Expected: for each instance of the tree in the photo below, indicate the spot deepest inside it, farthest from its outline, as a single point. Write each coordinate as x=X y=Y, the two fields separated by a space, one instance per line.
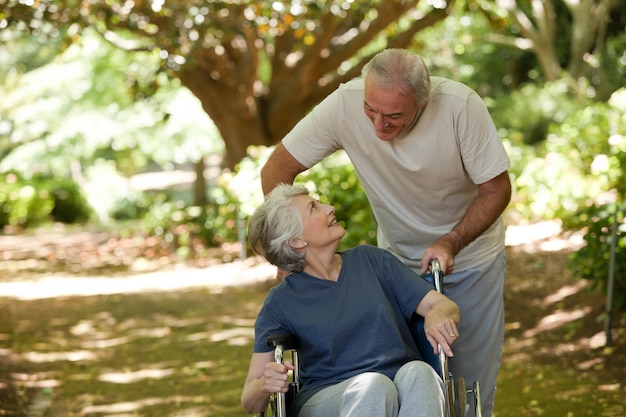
x=256 y=66
x=550 y=27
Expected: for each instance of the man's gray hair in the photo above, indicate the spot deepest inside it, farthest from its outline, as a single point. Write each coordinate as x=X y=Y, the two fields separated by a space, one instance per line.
x=400 y=70
x=274 y=224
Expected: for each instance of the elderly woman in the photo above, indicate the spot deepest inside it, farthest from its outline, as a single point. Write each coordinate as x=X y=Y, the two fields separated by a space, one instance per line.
x=349 y=311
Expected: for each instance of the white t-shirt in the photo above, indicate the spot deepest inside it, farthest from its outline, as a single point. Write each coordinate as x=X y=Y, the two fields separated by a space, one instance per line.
x=419 y=186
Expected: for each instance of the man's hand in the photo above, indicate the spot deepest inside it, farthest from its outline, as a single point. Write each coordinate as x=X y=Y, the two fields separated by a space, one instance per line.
x=443 y=251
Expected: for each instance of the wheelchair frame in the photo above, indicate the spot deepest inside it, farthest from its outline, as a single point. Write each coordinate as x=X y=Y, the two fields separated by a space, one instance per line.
x=455 y=390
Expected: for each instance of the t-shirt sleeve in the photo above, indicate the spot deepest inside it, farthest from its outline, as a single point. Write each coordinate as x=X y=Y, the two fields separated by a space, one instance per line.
x=407 y=287
x=315 y=136
x=267 y=324
x=482 y=150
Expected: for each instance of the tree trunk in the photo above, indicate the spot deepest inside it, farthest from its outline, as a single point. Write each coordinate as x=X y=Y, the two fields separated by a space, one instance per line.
x=248 y=112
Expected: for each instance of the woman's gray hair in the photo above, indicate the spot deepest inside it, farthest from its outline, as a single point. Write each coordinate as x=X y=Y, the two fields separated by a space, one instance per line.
x=400 y=70
x=274 y=224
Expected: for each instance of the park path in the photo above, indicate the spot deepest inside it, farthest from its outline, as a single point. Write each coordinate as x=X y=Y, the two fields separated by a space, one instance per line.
x=546 y=236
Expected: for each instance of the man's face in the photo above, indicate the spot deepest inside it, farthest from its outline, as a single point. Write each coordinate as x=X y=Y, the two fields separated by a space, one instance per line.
x=391 y=112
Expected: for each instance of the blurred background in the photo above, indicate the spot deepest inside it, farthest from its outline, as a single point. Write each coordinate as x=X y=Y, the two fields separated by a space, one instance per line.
x=144 y=123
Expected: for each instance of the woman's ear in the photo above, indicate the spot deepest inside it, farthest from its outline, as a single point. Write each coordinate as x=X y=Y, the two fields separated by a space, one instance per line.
x=297 y=243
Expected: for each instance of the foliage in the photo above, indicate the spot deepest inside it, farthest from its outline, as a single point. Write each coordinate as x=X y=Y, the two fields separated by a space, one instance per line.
x=597 y=216
x=189 y=229
x=70 y=204
x=591 y=262
x=31 y=201
x=134 y=205
x=456 y=48
x=333 y=181
x=96 y=101
x=564 y=149
x=256 y=66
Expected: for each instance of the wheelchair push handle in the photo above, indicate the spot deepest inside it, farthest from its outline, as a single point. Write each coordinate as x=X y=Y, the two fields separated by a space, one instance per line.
x=435 y=269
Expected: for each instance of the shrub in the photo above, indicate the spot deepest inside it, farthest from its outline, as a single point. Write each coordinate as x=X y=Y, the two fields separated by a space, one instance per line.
x=70 y=205
x=591 y=262
x=30 y=201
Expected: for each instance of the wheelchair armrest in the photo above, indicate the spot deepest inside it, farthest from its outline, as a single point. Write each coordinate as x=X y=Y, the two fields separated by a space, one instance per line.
x=287 y=340
x=417 y=322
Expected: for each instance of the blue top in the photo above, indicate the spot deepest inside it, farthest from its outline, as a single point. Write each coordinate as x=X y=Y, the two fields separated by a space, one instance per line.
x=357 y=324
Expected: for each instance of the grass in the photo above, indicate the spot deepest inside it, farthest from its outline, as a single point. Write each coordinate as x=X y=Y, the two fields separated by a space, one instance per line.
x=185 y=352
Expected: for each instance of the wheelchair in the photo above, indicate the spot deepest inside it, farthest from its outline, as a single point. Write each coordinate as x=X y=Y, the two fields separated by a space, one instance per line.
x=456 y=392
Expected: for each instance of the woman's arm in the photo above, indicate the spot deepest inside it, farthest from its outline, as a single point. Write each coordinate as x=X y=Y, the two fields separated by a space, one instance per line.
x=265 y=376
x=441 y=316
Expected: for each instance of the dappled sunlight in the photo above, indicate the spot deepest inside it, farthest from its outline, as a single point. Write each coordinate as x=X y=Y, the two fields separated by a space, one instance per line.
x=545 y=236
x=556 y=320
x=151 y=332
x=591 y=363
x=178 y=322
x=238 y=336
x=216 y=278
x=46 y=357
x=132 y=406
x=249 y=322
x=104 y=343
x=610 y=387
x=128 y=377
x=565 y=292
x=35 y=380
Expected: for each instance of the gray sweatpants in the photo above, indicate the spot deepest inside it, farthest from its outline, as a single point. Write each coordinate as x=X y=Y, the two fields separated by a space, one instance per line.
x=478 y=351
x=416 y=391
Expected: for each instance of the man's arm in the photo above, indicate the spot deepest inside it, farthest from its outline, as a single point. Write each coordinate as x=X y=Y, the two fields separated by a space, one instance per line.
x=493 y=197
x=281 y=167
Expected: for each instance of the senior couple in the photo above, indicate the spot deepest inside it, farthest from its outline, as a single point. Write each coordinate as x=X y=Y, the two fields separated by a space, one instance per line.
x=435 y=172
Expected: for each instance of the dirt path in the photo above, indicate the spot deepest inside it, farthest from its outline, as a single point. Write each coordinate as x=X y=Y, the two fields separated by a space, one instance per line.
x=555 y=362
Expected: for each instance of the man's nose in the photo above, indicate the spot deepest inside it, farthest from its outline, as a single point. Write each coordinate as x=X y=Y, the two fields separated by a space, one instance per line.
x=380 y=121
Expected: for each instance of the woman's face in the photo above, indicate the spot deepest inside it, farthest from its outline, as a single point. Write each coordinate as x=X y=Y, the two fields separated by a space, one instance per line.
x=320 y=226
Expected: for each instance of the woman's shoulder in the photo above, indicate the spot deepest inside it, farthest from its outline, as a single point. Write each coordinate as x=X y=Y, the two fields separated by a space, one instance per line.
x=366 y=250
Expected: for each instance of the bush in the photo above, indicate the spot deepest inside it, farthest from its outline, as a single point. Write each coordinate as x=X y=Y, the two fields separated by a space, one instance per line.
x=23 y=203
x=591 y=262
x=190 y=229
x=30 y=201
x=70 y=205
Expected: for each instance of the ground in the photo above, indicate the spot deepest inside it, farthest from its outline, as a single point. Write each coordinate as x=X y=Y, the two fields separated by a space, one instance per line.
x=88 y=316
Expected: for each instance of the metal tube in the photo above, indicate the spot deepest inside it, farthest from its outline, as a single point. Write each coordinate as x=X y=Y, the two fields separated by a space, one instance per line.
x=611 y=282
x=281 y=405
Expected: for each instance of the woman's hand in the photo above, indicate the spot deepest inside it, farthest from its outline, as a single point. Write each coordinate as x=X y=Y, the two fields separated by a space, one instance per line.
x=441 y=331
x=441 y=316
x=275 y=376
